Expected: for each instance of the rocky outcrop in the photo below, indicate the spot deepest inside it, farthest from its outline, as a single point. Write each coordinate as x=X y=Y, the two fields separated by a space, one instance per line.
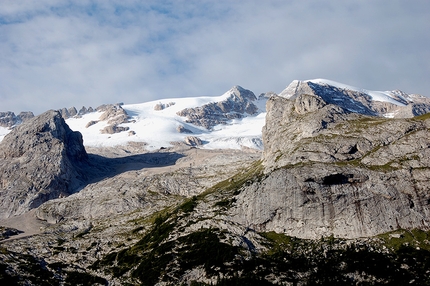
x=182 y=129
x=331 y=171
x=9 y=119
x=41 y=159
x=193 y=141
x=238 y=103
x=73 y=112
x=115 y=115
x=161 y=106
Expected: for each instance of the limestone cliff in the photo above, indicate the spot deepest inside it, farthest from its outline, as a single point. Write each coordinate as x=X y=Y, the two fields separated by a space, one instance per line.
x=40 y=160
x=330 y=170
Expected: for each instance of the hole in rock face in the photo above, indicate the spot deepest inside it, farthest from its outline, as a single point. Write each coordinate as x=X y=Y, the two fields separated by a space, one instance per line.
x=353 y=150
x=336 y=179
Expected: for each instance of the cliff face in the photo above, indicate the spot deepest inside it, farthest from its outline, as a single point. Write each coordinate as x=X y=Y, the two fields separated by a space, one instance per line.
x=332 y=171
x=40 y=160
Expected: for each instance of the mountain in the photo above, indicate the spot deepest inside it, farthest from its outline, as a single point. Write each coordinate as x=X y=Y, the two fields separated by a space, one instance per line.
x=41 y=159
x=334 y=164
x=232 y=120
x=391 y=104
x=339 y=194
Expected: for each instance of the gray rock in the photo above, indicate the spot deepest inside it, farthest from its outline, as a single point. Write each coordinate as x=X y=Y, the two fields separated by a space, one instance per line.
x=115 y=115
x=182 y=129
x=112 y=129
x=91 y=123
x=72 y=111
x=193 y=141
x=64 y=113
x=331 y=171
x=41 y=160
x=323 y=199
x=25 y=115
x=9 y=119
x=360 y=101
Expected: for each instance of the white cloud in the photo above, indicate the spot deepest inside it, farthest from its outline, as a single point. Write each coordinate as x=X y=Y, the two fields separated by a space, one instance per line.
x=57 y=54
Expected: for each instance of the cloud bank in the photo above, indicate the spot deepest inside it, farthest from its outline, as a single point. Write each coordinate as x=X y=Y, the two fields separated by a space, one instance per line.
x=56 y=54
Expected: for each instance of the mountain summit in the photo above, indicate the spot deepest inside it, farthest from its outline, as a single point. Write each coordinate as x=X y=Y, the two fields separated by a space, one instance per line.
x=391 y=104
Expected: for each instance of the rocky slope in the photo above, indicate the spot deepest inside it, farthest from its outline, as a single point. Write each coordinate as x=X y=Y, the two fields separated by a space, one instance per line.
x=41 y=159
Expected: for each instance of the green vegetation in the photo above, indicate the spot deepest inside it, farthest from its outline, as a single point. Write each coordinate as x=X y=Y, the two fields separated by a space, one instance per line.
x=189 y=205
x=385 y=260
x=232 y=185
x=422 y=117
x=23 y=269
x=398 y=239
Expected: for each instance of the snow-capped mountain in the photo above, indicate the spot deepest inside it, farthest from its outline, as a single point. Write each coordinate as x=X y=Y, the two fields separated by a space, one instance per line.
x=391 y=104
x=237 y=118
x=233 y=120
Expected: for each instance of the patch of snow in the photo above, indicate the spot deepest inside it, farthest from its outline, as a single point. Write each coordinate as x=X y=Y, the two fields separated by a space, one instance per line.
x=244 y=132
x=3 y=132
x=389 y=115
x=290 y=90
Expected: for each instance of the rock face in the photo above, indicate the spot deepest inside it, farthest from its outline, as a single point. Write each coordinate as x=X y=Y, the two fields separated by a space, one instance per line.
x=9 y=119
x=331 y=171
x=238 y=103
x=41 y=159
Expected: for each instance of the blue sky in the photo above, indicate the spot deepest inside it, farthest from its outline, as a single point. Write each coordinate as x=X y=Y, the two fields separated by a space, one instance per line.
x=56 y=54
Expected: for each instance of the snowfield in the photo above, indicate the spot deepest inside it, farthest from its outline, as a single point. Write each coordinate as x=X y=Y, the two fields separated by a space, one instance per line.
x=157 y=124
x=158 y=128
x=3 y=132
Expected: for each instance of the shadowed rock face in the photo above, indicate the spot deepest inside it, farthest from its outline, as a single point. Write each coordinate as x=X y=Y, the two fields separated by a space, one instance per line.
x=236 y=106
x=41 y=159
x=332 y=171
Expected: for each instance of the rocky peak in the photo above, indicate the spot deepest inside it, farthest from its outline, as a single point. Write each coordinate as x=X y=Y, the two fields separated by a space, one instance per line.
x=38 y=133
x=43 y=143
x=9 y=119
x=236 y=104
x=67 y=113
x=395 y=104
